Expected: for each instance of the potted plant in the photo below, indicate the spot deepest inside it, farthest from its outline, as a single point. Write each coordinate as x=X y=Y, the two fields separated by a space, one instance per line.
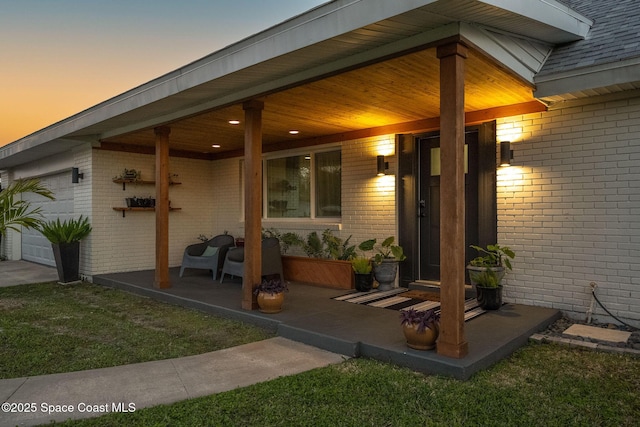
x=420 y=328
x=486 y=273
x=270 y=295
x=385 y=261
x=362 y=271
x=65 y=240
x=328 y=246
x=129 y=175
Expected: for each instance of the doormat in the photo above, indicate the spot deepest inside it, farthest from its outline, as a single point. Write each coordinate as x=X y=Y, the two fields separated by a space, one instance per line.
x=404 y=299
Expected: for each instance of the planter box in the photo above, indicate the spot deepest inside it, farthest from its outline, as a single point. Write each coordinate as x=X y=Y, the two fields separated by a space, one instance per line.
x=327 y=273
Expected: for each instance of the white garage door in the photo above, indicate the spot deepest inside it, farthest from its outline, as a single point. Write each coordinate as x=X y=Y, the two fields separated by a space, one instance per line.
x=34 y=245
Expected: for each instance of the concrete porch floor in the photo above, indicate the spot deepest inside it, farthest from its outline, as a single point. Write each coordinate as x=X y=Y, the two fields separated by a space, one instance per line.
x=310 y=316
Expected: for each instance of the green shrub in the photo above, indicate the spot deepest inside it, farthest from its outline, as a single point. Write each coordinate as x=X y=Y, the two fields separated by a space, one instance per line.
x=68 y=231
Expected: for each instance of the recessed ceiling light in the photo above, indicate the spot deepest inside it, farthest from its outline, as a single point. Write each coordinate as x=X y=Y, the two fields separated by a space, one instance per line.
x=294 y=132
x=216 y=146
x=234 y=122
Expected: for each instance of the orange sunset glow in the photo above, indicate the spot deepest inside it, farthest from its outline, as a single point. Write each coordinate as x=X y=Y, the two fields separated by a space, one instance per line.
x=59 y=58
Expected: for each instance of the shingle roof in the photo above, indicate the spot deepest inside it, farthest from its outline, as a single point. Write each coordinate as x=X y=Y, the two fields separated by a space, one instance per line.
x=615 y=36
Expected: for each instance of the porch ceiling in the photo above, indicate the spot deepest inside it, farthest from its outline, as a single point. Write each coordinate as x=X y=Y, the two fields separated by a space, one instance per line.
x=398 y=90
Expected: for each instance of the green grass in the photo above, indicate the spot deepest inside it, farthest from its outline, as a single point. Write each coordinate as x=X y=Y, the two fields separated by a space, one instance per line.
x=49 y=328
x=540 y=385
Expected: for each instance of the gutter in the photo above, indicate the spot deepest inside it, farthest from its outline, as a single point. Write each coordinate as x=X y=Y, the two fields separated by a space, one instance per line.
x=585 y=78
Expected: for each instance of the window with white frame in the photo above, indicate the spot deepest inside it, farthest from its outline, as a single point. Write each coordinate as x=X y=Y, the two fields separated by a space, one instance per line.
x=304 y=186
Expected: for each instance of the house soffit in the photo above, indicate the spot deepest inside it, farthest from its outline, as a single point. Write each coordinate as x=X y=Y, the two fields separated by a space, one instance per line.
x=398 y=90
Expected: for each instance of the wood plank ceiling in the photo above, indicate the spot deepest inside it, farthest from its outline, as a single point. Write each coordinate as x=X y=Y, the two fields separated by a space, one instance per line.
x=398 y=90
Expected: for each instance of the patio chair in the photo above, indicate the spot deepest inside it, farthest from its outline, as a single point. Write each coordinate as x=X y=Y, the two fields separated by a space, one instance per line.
x=207 y=255
x=271 y=260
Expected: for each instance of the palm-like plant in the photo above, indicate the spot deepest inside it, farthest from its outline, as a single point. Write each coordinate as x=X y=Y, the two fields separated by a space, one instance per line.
x=16 y=213
x=68 y=231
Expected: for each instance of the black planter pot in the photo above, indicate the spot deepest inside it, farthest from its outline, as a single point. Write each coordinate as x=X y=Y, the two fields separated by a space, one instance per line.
x=363 y=281
x=67 y=256
x=489 y=298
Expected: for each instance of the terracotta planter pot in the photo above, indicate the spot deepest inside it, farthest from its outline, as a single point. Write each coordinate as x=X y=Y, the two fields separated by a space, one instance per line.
x=425 y=340
x=270 y=303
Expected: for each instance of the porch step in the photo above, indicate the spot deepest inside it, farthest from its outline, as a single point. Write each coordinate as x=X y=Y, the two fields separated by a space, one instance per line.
x=430 y=286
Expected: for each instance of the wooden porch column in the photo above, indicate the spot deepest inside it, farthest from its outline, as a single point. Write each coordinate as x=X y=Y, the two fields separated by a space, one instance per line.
x=162 y=208
x=451 y=342
x=252 y=201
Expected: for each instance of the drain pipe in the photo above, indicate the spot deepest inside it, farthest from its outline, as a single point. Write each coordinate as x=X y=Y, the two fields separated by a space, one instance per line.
x=593 y=286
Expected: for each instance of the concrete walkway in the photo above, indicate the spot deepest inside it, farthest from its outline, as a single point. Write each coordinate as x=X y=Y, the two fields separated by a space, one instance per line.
x=128 y=388
x=23 y=272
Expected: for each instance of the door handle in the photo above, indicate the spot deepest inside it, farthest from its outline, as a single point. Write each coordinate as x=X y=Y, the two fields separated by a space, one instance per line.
x=422 y=205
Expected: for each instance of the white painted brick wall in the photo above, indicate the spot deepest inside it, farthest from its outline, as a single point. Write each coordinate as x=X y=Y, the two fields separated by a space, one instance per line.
x=82 y=195
x=128 y=244
x=570 y=207
x=226 y=194
x=368 y=201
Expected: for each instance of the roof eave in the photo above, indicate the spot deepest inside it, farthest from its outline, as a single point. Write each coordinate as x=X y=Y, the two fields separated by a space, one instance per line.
x=571 y=25
x=587 y=78
x=320 y=24
x=299 y=32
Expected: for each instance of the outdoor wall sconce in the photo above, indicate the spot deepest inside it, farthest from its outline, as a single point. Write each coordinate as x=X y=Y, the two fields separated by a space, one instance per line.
x=506 y=153
x=382 y=166
x=76 y=176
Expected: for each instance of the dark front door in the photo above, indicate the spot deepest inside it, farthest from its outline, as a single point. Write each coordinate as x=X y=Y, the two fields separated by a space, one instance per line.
x=419 y=199
x=428 y=150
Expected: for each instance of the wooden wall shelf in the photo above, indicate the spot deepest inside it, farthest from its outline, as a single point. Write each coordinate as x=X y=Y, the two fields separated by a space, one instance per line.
x=124 y=182
x=124 y=210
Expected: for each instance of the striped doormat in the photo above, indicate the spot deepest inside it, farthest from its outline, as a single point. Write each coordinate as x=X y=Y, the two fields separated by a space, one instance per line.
x=395 y=299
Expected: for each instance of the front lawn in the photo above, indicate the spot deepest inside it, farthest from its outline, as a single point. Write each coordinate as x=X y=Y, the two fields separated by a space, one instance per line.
x=540 y=385
x=50 y=328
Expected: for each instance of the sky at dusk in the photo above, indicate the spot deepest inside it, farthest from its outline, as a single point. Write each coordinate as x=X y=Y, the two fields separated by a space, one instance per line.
x=60 y=57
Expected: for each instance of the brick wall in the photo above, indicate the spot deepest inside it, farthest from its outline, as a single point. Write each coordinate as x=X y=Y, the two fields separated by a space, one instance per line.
x=368 y=201
x=128 y=244
x=570 y=207
x=82 y=195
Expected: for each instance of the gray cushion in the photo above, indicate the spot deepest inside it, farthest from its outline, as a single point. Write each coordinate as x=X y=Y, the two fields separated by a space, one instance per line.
x=210 y=251
x=236 y=255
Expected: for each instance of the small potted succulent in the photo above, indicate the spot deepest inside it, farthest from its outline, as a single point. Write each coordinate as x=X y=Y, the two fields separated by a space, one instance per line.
x=486 y=273
x=420 y=328
x=362 y=271
x=129 y=175
x=270 y=295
